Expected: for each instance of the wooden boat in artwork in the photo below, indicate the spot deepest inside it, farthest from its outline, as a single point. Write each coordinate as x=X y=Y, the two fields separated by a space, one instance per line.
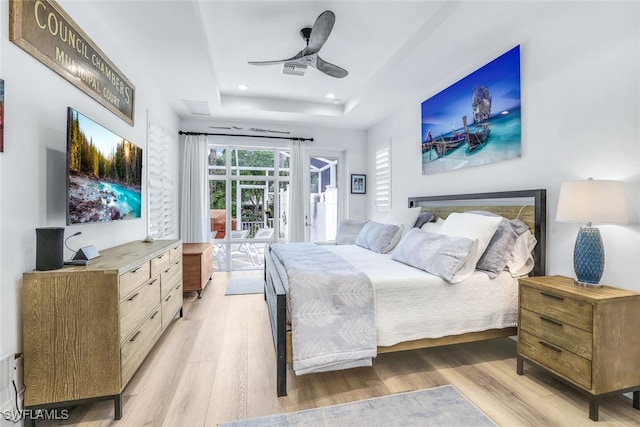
x=476 y=140
x=446 y=144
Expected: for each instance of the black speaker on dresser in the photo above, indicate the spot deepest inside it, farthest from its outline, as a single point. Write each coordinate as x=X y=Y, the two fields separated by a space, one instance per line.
x=49 y=248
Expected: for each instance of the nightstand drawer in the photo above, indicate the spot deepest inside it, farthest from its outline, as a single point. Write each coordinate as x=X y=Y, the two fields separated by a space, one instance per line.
x=555 y=332
x=554 y=358
x=558 y=306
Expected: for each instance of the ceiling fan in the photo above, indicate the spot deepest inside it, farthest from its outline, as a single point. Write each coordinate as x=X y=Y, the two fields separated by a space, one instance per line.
x=315 y=38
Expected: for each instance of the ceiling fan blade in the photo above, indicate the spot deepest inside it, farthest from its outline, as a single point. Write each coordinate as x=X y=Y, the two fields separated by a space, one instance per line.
x=279 y=61
x=320 y=32
x=330 y=69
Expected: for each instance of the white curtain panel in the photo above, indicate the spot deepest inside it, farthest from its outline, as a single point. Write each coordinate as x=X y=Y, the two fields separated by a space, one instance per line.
x=194 y=209
x=296 y=198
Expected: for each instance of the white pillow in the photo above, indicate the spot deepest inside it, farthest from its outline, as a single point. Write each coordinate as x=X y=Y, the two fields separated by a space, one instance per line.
x=474 y=227
x=403 y=216
x=522 y=261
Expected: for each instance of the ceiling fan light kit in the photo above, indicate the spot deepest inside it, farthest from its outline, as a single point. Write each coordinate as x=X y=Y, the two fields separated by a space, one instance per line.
x=315 y=38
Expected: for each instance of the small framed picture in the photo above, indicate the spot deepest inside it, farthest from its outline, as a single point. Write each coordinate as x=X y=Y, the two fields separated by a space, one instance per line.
x=358 y=184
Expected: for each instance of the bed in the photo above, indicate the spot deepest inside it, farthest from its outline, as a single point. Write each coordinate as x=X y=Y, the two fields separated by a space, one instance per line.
x=401 y=292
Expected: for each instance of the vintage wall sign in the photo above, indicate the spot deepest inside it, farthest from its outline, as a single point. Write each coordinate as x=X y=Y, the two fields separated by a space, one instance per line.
x=45 y=31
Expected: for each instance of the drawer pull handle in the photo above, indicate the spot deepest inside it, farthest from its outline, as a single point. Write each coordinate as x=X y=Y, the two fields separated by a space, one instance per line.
x=135 y=270
x=153 y=316
x=552 y=296
x=178 y=285
x=551 y=347
x=168 y=298
x=133 y=338
x=153 y=281
x=177 y=262
x=134 y=296
x=553 y=322
x=167 y=270
x=161 y=256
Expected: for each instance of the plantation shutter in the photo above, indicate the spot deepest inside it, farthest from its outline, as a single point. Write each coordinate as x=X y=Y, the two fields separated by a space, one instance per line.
x=162 y=170
x=383 y=179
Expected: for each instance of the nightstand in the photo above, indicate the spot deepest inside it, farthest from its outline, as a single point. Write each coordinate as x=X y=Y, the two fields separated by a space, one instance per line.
x=588 y=337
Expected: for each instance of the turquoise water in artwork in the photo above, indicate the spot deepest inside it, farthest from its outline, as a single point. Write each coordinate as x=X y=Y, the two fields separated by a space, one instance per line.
x=127 y=201
x=504 y=143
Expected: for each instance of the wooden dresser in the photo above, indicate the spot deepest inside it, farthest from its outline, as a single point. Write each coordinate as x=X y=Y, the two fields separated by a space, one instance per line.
x=88 y=328
x=586 y=336
x=197 y=267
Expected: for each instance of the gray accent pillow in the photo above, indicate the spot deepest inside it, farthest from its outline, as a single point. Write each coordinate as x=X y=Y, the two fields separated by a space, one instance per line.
x=502 y=244
x=424 y=218
x=348 y=230
x=437 y=254
x=380 y=238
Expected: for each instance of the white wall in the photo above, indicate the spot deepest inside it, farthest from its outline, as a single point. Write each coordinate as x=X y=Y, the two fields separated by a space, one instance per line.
x=32 y=167
x=580 y=78
x=351 y=142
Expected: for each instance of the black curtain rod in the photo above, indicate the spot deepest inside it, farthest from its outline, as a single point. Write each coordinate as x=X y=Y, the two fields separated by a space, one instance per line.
x=292 y=138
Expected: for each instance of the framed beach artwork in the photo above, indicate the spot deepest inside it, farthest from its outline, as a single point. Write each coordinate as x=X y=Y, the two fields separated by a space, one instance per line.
x=358 y=184
x=475 y=121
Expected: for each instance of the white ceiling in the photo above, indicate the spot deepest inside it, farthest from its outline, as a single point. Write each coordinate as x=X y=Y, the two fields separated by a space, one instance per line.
x=395 y=52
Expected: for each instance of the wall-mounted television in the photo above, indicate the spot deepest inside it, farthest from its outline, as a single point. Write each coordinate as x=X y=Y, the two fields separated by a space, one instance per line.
x=104 y=173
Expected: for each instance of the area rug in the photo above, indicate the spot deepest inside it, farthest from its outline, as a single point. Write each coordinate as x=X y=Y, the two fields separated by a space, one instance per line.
x=439 y=406
x=245 y=285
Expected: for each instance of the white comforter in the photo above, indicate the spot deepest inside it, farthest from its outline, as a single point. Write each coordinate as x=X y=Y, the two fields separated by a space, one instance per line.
x=412 y=304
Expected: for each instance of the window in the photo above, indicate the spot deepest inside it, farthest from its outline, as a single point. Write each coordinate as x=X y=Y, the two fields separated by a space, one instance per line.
x=383 y=179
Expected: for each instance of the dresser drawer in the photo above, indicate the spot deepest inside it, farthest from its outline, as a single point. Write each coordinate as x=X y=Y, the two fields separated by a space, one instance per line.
x=555 y=332
x=136 y=348
x=557 y=306
x=159 y=264
x=170 y=277
x=133 y=278
x=171 y=304
x=175 y=254
x=554 y=358
x=137 y=306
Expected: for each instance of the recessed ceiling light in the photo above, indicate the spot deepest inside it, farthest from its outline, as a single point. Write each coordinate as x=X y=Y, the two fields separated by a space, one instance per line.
x=243 y=87
x=331 y=95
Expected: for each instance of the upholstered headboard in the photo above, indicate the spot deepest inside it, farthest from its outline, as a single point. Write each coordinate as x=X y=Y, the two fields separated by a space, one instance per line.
x=529 y=206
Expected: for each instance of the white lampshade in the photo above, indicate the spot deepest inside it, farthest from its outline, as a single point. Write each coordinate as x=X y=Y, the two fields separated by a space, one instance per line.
x=600 y=201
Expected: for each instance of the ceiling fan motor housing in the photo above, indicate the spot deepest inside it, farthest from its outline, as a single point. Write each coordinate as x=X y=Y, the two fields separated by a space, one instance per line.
x=294 y=69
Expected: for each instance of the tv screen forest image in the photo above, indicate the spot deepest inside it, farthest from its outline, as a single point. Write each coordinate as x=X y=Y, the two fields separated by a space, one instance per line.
x=105 y=173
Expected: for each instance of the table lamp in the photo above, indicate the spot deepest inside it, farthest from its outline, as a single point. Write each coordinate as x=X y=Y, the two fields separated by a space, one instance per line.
x=589 y=201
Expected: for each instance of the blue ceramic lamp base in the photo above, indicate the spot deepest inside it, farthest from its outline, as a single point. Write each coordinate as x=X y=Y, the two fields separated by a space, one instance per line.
x=588 y=257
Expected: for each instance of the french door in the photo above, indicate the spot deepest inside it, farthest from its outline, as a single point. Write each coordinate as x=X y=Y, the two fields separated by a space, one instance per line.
x=248 y=189
x=325 y=198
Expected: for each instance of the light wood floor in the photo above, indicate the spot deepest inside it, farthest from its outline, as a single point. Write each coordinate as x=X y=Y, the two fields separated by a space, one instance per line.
x=217 y=364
